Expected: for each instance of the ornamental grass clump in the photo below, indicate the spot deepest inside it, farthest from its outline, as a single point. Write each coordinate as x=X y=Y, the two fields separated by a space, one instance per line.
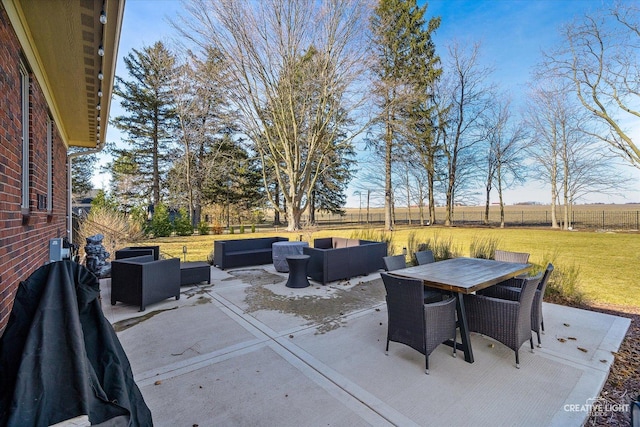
x=442 y=248
x=375 y=236
x=564 y=284
x=483 y=247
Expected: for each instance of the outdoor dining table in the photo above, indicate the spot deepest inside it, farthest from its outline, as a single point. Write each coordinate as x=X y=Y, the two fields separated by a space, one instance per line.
x=463 y=276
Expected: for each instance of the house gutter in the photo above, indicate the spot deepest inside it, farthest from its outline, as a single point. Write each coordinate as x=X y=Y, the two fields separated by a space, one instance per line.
x=70 y=157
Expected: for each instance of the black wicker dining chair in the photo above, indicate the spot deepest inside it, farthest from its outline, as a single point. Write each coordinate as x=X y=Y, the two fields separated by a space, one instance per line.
x=521 y=257
x=424 y=257
x=396 y=262
x=506 y=321
x=420 y=326
x=510 y=289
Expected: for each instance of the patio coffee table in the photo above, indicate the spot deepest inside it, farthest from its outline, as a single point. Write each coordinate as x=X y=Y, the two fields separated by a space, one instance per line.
x=280 y=251
x=463 y=276
x=194 y=272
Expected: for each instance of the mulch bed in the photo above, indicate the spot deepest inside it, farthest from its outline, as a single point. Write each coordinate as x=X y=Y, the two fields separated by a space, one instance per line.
x=623 y=384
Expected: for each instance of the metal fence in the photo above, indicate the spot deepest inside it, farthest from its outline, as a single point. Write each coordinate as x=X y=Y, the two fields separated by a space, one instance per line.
x=579 y=219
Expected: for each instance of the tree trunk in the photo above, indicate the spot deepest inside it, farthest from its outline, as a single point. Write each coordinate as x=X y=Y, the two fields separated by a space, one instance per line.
x=293 y=219
x=408 y=198
x=501 y=204
x=421 y=205
x=276 y=210
x=368 y=198
x=554 y=195
x=432 y=205
x=487 y=201
x=388 y=215
x=156 y=169
x=312 y=208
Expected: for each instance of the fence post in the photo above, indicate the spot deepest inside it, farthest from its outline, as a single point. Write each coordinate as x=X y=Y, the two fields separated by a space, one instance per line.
x=603 y=219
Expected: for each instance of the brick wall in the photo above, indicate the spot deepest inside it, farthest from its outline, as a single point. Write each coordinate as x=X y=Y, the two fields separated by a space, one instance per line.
x=24 y=241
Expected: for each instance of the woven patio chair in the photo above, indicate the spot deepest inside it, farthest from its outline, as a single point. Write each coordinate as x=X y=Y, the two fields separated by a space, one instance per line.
x=396 y=262
x=508 y=322
x=420 y=326
x=510 y=289
x=424 y=257
x=521 y=257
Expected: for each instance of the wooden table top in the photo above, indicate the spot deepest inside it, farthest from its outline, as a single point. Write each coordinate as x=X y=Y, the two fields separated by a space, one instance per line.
x=463 y=275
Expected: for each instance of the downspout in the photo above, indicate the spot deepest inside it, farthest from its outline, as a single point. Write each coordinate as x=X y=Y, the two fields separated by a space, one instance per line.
x=70 y=157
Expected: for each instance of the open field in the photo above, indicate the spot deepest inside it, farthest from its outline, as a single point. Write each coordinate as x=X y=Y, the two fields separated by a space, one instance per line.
x=615 y=217
x=608 y=261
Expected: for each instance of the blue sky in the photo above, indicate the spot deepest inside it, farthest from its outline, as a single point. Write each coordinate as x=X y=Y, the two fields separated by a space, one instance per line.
x=512 y=34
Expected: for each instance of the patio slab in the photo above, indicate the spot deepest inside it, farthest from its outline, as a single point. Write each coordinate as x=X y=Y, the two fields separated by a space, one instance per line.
x=246 y=350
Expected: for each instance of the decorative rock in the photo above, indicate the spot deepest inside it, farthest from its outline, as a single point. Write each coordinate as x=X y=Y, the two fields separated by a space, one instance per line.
x=96 y=257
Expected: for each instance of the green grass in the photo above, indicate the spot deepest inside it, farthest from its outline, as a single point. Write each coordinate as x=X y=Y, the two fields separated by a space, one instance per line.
x=607 y=262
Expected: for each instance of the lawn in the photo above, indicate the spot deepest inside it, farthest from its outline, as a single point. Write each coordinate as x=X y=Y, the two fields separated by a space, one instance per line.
x=608 y=262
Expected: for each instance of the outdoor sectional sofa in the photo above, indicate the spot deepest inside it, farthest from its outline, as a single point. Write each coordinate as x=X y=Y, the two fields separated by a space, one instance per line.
x=244 y=252
x=337 y=258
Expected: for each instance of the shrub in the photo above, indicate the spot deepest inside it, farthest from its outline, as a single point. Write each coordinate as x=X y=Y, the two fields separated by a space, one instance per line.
x=203 y=228
x=253 y=228
x=113 y=225
x=137 y=221
x=483 y=247
x=231 y=231
x=210 y=258
x=216 y=228
x=182 y=223
x=241 y=229
x=160 y=225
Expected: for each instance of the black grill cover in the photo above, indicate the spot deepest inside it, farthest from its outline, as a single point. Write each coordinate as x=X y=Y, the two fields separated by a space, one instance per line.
x=60 y=358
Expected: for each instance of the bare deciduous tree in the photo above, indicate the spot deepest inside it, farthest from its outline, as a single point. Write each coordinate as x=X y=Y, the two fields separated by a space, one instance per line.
x=505 y=143
x=295 y=65
x=565 y=151
x=204 y=120
x=600 y=57
x=544 y=118
x=470 y=95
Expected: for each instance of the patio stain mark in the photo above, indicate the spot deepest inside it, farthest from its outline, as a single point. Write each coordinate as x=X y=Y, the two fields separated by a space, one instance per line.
x=125 y=324
x=196 y=291
x=327 y=313
x=255 y=277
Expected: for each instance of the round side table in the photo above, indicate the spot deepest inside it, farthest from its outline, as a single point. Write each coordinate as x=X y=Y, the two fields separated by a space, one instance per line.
x=297 y=271
x=280 y=251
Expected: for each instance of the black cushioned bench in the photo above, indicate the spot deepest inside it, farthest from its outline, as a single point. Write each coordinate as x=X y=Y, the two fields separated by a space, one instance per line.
x=244 y=252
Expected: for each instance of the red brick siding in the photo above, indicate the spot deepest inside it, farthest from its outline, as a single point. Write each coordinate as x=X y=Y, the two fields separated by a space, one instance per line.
x=25 y=247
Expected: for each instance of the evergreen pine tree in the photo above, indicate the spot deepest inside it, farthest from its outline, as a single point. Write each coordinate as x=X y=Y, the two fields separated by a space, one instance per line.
x=150 y=119
x=81 y=173
x=404 y=53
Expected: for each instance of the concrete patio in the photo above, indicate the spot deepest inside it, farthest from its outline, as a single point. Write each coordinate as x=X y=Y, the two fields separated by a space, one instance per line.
x=246 y=350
